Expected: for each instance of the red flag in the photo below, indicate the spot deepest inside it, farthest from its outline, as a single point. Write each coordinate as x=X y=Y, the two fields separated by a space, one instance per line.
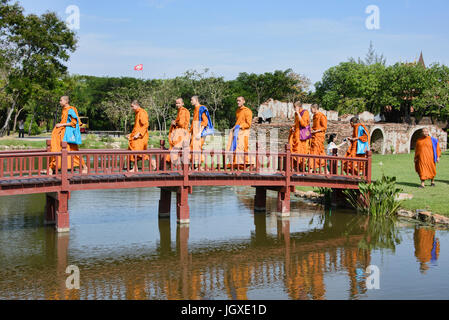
x=139 y=67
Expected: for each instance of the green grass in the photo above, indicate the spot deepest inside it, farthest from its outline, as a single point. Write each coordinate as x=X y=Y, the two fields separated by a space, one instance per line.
x=402 y=167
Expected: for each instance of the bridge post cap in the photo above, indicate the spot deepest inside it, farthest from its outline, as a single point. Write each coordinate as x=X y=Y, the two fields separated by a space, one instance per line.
x=64 y=145
x=48 y=143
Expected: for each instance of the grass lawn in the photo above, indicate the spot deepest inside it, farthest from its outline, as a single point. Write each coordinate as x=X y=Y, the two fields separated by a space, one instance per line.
x=435 y=199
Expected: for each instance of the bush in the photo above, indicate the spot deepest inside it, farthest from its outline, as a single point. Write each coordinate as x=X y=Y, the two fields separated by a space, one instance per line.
x=377 y=198
x=35 y=129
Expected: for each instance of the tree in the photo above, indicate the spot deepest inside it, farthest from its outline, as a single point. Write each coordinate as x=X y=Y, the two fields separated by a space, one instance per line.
x=34 y=48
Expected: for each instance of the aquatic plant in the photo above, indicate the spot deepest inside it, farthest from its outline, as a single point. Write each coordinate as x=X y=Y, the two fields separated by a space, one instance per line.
x=377 y=198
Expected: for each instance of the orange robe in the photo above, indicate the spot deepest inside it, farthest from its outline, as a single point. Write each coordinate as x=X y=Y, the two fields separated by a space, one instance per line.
x=296 y=145
x=179 y=133
x=141 y=125
x=57 y=136
x=425 y=164
x=424 y=240
x=352 y=151
x=244 y=119
x=317 y=143
x=197 y=144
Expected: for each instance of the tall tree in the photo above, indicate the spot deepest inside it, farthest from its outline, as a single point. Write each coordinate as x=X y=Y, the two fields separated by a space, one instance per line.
x=36 y=48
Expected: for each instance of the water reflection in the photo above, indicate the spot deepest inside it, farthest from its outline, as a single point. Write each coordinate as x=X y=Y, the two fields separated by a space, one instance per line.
x=427 y=247
x=296 y=258
x=380 y=232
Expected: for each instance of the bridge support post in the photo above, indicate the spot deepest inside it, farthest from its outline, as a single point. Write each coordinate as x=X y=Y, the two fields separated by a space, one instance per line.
x=165 y=204
x=260 y=200
x=284 y=202
x=51 y=200
x=182 y=205
x=62 y=212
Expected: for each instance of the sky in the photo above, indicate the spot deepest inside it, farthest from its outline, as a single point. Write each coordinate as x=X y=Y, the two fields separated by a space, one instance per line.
x=170 y=37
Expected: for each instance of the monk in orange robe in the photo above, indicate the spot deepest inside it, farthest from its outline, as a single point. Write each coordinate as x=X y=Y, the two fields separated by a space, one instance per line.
x=57 y=138
x=198 y=125
x=427 y=155
x=352 y=150
x=138 y=139
x=319 y=129
x=179 y=130
x=244 y=119
x=427 y=247
x=298 y=144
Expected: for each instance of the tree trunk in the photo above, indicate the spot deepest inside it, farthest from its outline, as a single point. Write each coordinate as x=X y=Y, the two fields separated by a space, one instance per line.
x=8 y=118
x=31 y=125
x=15 y=119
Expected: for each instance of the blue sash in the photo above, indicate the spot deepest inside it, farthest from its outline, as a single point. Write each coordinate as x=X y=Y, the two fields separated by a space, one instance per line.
x=433 y=253
x=362 y=147
x=72 y=135
x=234 y=140
x=209 y=130
x=435 y=149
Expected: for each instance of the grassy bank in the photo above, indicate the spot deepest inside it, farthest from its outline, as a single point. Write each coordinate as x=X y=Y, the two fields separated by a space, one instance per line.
x=402 y=167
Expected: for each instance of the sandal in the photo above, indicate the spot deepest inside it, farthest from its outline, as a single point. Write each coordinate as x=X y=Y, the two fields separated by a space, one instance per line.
x=421 y=187
x=432 y=185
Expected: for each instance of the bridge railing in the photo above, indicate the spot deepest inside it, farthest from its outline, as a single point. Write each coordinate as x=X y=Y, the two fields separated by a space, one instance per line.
x=22 y=165
x=32 y=164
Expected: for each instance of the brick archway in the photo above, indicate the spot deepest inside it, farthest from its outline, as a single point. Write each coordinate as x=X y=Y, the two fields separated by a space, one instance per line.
x=378 y=140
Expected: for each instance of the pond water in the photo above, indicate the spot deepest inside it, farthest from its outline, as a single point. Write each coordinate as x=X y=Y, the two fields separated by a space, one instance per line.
x=123 y=251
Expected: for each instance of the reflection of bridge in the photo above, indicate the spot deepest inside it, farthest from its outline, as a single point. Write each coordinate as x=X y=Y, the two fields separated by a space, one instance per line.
x=296 y=263
x=27 y=172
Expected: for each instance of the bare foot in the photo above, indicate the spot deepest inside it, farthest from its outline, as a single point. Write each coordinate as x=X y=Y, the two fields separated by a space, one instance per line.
x=84 y=170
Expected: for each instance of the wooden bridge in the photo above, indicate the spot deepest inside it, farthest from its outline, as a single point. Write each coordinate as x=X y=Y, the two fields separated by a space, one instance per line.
x=27 y=172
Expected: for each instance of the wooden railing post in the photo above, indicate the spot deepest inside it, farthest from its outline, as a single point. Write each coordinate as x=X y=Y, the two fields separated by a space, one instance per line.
x=64 y=170
x=287 y=165
x=185 y=162
x=369 y=155
x=48 y=145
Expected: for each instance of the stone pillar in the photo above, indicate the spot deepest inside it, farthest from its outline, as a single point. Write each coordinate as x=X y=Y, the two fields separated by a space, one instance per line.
x=62 y=212
x=165 y=204
x=260 y=200
x=284 y=202
x=182 y=205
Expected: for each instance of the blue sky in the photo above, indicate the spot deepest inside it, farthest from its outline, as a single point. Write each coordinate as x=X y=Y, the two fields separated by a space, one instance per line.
x=171 y=36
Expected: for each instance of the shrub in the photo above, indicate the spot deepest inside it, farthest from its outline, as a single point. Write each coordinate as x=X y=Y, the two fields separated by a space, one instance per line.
x=377 y=198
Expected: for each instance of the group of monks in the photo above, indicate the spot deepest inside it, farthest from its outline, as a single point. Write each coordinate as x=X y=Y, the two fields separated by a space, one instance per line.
x=307 y=137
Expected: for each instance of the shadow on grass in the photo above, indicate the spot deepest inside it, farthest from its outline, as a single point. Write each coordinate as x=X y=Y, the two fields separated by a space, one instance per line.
x=408 y=184
x=443 y=181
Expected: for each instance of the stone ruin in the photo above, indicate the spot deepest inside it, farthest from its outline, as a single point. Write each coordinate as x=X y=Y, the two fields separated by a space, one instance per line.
x=386 y=138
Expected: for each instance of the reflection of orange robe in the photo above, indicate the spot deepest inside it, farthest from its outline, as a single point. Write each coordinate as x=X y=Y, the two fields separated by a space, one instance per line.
x=424 y=160
x=352 y=150
x=317 y=143
x=244 y=119
x=197 y=144
x=57 y=136
x=141 y=125
x=424 y=239
x=179 y=133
